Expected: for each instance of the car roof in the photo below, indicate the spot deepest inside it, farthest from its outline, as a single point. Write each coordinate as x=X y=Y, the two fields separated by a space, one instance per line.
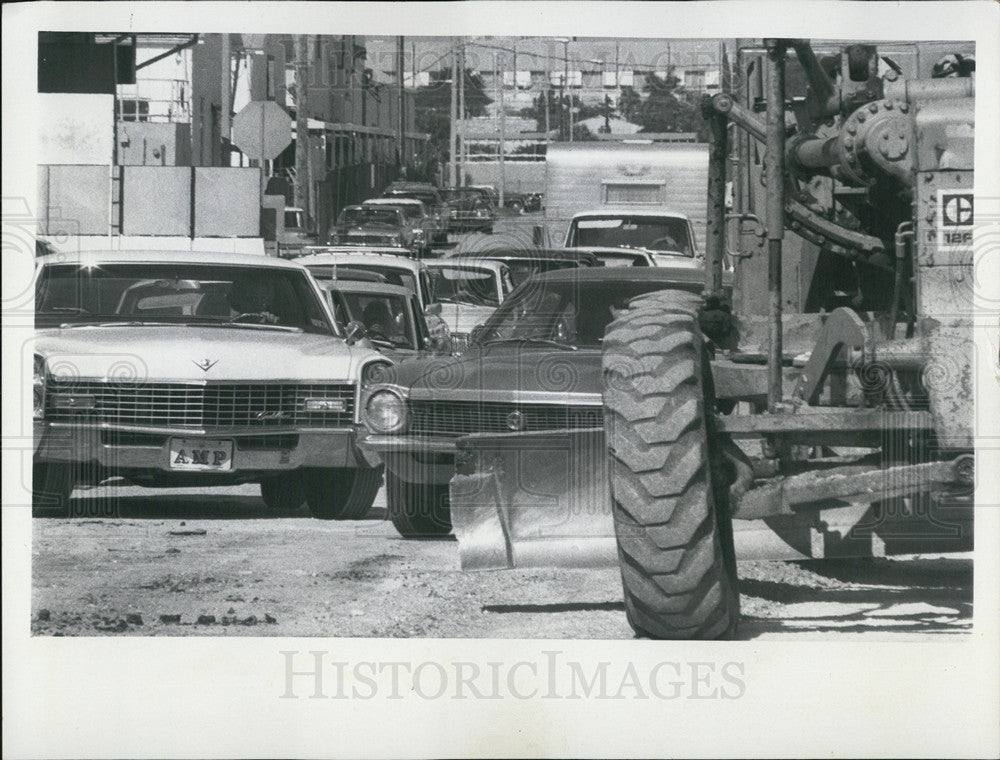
x=454 y=262
x=168 y=257
x=357 y=250
x=623 y=274
x=411 y=186
x=392 y=202
x=622 y=253
x=361 y=259
x=629 y=211
x=356 y=286
x=561 y=254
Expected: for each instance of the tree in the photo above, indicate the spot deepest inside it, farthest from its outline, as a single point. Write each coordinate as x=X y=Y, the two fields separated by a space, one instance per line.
x=432 y=110
x=629 y=104
x=663 y=111
x=558 y=116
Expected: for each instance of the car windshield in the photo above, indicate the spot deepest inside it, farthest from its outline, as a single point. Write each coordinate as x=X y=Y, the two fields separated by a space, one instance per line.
x=477 y=287
x=294 y=220
x=653 y=233
x=570 y=312
x=522 y=269
x=393 y=275
x=370 y=215
x=411 y=210
x=178 y=293
x=428 y=199
x=385 y=316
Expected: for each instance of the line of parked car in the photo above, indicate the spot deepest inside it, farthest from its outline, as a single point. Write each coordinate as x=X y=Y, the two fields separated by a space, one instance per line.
x=309 y=376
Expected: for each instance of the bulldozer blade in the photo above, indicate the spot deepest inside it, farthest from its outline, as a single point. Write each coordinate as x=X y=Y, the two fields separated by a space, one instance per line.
x=533 y=500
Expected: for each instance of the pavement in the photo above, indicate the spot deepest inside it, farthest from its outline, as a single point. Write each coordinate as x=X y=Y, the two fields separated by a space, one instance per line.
x=218 y=562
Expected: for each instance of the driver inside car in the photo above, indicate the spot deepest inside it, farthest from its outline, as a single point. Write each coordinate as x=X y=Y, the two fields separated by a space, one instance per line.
x=253 y=297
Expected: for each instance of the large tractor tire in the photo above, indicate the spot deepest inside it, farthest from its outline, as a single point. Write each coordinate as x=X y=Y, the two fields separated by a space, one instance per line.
x=668 y=479
x=418 y=510
x=52 y=485
x=283 y=493
x=341 y=493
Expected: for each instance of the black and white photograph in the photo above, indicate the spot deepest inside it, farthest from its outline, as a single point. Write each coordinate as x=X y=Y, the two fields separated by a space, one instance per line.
x=501 y=359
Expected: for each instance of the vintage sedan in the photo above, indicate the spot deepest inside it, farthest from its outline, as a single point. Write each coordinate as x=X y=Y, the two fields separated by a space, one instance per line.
x=534 y=366
x=385 y=226
x=468 y=289
x=386 y=317
x=471 y=209
x=438 y=209
x=207 y=369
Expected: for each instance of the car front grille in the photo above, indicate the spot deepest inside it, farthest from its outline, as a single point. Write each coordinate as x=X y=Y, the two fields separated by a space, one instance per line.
x=372 y=239
x=202 y=405
x=463 y=417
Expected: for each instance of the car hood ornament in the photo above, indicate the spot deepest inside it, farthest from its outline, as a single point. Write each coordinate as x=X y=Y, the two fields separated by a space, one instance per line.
x=205 y=364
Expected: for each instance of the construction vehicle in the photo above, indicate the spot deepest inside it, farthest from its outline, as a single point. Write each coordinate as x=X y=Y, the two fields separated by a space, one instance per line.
x=828 y=409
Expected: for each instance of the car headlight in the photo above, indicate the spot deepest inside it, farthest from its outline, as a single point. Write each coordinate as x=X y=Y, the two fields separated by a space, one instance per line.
x=39 y=388
x=394 y=239
x=385 y=412
x=375 y=372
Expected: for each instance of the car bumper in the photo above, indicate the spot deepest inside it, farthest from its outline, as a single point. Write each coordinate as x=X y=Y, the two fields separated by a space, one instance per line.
x=148 y=449
x=415 y=459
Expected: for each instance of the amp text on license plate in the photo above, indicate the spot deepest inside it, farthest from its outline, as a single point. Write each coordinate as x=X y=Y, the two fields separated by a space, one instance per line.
x=201 y=454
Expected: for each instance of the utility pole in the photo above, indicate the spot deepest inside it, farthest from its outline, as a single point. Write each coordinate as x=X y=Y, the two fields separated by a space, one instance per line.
x=301 y=124
x=564 y=109
x=503 y=132
x=461 y=114
x=452 y=154
x=401 y=105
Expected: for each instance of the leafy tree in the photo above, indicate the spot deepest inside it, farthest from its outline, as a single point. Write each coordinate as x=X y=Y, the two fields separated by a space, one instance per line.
x=432 y=111
x=664 y=111
x=558 y=108
x=629 y=104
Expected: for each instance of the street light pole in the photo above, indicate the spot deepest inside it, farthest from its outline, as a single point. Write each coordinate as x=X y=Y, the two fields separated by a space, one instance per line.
x=452 y=157
x=569 y=104
x=462 y=147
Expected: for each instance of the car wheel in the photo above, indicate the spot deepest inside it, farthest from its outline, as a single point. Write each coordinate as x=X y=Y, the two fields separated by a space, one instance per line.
x=283 y=493
x=340 y=493
x=418 y=510
x=668 y=488
x=52 y=485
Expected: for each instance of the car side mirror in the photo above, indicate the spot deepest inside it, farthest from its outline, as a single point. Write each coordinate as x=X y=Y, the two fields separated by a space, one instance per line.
x=432 y=310
x=355 y=332
x=476 y=333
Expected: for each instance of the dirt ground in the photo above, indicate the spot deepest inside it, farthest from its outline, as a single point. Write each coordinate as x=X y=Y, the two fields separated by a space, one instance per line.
x=219 y=563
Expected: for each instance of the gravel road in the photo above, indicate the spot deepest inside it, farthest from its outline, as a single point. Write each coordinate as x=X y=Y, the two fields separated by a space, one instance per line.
x=219 y=563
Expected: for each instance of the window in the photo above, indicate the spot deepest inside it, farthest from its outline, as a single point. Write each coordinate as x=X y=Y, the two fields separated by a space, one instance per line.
x=633 y=193
x=134 y=110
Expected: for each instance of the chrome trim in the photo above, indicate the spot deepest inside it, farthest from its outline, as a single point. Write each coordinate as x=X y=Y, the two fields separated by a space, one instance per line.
x=181 y=432
x=428 y=444
x=512 y=396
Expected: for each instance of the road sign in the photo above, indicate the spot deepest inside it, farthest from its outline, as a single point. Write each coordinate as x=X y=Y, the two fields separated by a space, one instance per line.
x=262 y=129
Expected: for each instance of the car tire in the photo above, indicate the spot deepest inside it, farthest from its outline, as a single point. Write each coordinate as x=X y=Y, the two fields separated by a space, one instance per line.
x=336 y=493
x=283 y=493
x=51 y=488
x=668 y=480
x=418 y=510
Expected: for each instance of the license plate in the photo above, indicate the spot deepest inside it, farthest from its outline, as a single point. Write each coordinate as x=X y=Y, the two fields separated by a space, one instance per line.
x=201 y=454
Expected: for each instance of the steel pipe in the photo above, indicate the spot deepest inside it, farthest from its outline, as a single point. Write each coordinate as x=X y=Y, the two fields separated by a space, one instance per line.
x=775 y=219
